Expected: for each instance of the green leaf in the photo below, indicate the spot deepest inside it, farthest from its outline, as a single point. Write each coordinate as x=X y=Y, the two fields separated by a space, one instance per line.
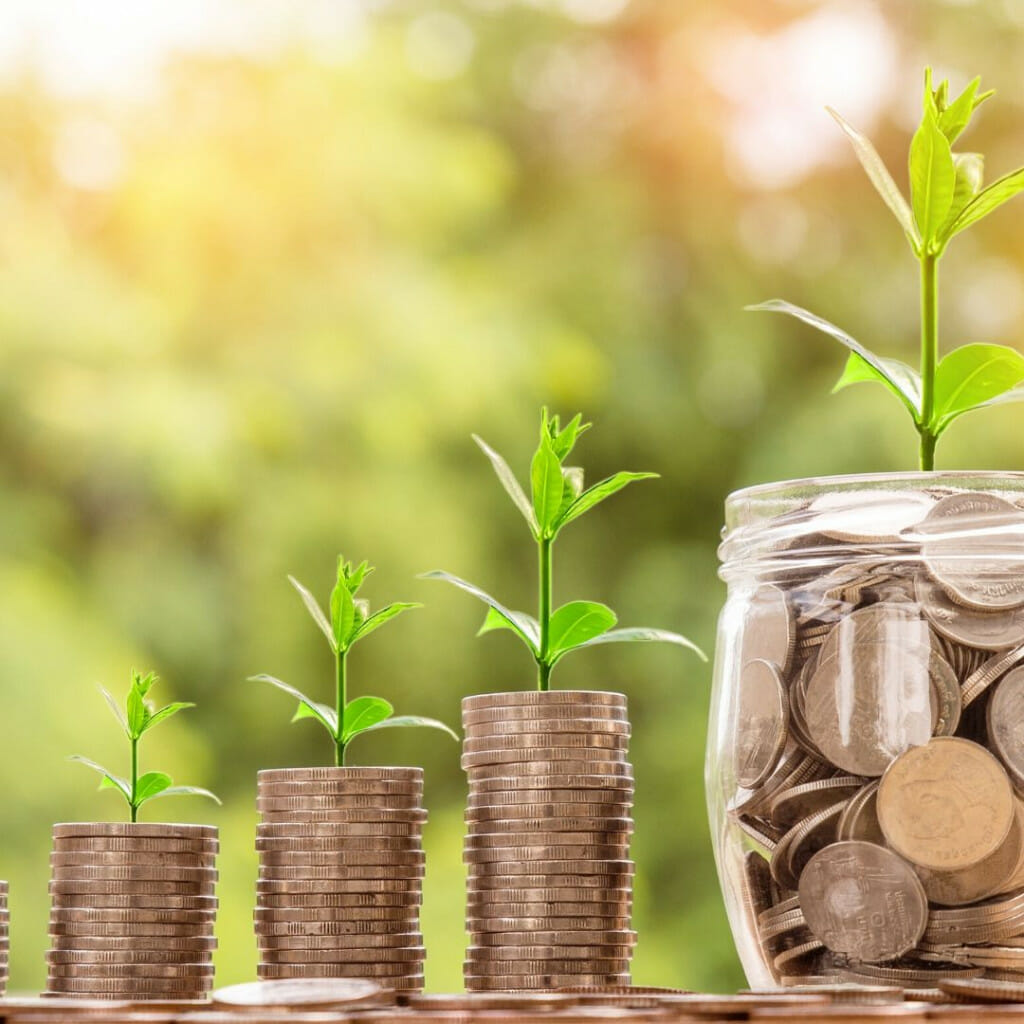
x=547 y=485
x=314 y=609
x=642 y=634
x=412 y=721
x=971 y=377
x=881 y=179
x=187 y=791
x=575 y=623
x=137 y=712
x=932 y=179
x=902 y=381
x=343 y=615
x=596 y=494
x=321 y=712
x=144 y=683
x=521 y=624
x=363 y=713
x=1000 y=191
x=970 y=174
x=564 y=440
x=116 y=709
x=166 y=712
x=955 y=117
x=857 y=371
x=150 y=785
x=495 y=620
x=353 y=577
x=111 y=781
x=510 y=483
x=386 y=614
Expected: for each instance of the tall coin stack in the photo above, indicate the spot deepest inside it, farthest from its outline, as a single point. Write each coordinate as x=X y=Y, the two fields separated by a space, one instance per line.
x=132 y=911
x=549 y=825
x=5 y=942
x=341 y=874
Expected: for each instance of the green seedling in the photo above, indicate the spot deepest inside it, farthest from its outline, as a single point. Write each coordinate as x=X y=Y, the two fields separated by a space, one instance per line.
x=136 y=718
x=350 y=621
x=558 y=498
x=946 y=197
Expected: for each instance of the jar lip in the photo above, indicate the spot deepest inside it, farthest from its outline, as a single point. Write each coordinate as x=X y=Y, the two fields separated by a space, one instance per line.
x=812 y=486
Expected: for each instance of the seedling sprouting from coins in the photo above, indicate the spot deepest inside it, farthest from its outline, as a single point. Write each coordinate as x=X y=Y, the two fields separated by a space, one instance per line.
x=557 y=498
x=946 y=197
x=350 y=621
x=136 y=718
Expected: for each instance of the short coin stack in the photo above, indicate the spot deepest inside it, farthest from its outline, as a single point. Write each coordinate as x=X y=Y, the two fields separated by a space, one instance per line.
x=549 y=825
x=5 y=942
x=132 y=911
x=341 y=874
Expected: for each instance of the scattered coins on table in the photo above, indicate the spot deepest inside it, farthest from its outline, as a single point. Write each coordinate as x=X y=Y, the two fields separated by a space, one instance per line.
x=878 y=748
x=132 y=911
x=549 y=823
x=340 y=876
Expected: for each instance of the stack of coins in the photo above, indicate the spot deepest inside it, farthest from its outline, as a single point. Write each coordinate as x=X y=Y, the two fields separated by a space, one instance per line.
x=341 y=874
x=549 y=825
x=5 y=942
x=878 y=747
x=132 y=911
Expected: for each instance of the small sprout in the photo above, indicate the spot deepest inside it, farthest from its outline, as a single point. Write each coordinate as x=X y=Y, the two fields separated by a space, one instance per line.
x=558 y=497
x=350 y=621
x=947 y=197
x=136 y=718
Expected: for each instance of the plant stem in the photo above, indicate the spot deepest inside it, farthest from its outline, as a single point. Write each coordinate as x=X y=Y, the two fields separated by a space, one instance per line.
x=543 y=668
x=929 y=356
x=340 y=700
x=135 y=779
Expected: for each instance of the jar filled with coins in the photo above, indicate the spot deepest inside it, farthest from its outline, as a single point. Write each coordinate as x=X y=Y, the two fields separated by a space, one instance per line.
x=865 y=768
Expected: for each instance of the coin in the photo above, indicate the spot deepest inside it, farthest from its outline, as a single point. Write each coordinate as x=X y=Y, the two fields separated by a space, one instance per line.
x=370 y=815
x=983 y=990
x=793 y=805
x=560 y=966
x=616 y=773
x=133 y=915
x=473 y=720
x=130 y=829
x=869 y=516
x=285 y=947
x=986 y=630
x=859 y=819
x=863 y=900
x=946 y=805
x=335 y=900
x=141 y=887
x=339 y=872
x=970 y=544
x=761 y=728
x=546 y=698
x=137 y=845
x=541 y=981
x=300 y=886
x=339 y=831
x=546 y=727
x=141 y=872
x=512 y=954
x=801 y=842
x=522 y=856
x=611 y=880
x=548 y=760
x=547 y=935
x=613 y=832
x=341 y=857
x=326 y=844
x=410 y=792
x=886 y=705
x=336 y=802
x=353 y=969
x=367 y=773
x=183 y=971
x=282 y=914
x=364 y=921
x=1005 y=716
x=126 y=956
x=512 y=815
x=140 y=942
x=99 y=859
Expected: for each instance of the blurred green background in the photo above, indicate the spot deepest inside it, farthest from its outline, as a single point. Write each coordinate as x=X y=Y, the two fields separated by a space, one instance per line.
x=265 y=266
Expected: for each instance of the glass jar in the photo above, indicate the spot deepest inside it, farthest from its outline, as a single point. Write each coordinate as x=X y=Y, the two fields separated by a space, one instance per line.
x=865 y=756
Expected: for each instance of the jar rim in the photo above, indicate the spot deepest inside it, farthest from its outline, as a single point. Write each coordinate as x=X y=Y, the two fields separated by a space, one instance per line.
x=766 y=524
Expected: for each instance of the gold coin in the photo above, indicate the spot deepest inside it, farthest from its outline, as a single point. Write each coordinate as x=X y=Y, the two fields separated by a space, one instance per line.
x=98 y=859
x=946 y=805
x=548 y=923
x=345 y=951
x=490 y=954
x=490 y=787
x=524 y=855
x=142 y=831
x=592 y=816
x=547 y=727
x=545 y=698
x=348 y=926
x=558 y=713
x=361 y=774
x=409 y=795
x=526 y=936
x=328 y=844
x=281 y=914
x=529 y=803
x=547 y=760
x=309 y=886
x=983 y=990
x=185 y=971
